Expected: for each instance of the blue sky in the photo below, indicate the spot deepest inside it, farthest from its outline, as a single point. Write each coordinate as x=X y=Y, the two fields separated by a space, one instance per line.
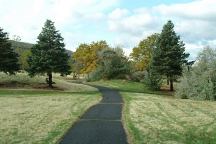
x=131 y=4
x=119 y=22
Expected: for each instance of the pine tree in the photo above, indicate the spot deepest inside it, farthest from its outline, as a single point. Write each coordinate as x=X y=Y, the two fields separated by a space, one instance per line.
x=49 y=54
x=169 y=54
x=8 y=58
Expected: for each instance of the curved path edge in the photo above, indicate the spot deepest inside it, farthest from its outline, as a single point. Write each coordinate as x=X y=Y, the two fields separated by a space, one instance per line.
x=101 y=123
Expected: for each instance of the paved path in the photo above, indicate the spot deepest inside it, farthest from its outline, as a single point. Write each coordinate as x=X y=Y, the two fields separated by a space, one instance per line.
x=101 y=124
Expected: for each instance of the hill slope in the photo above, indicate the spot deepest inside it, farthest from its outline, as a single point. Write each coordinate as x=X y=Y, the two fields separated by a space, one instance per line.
x=23 y=49
x=20 y=47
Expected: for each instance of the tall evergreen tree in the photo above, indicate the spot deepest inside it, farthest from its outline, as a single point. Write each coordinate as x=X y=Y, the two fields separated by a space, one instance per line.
x=8 y=58
x=49 y=54
x=169 y=55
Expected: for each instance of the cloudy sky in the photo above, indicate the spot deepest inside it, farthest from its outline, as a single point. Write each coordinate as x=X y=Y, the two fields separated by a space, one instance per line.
x=119 y=22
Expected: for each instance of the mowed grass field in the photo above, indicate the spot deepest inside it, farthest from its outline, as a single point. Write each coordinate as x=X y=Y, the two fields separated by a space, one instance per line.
x=30 y=115
x=164 y=119
x=159 y=119
x=122 y=85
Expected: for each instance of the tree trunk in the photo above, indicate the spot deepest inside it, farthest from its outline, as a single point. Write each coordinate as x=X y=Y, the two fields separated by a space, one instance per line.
x=50 y=80
x=188 y=67
x=171 y=85
x=168 y=80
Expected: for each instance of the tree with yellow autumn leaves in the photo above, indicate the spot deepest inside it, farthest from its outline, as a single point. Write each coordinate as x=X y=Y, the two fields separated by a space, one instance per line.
x=142 y=54
x=87 y=56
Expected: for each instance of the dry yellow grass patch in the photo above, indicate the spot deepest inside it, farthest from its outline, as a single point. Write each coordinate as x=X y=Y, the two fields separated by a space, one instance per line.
x=73 y=87
x=39 y=119
x=159 y=119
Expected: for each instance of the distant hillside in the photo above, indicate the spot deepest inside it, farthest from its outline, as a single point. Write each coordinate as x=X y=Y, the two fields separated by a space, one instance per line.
x=23 y=45
x=20 y=47
x=23 y=49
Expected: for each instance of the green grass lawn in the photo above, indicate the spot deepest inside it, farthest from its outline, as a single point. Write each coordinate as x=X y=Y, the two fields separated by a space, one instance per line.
x=154 y=117
x=128 y=86
x=122 y=85
x=30 y=115
x=160 y=119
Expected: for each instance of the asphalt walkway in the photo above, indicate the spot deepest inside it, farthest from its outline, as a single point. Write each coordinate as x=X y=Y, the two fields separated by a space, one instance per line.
x=101 y=124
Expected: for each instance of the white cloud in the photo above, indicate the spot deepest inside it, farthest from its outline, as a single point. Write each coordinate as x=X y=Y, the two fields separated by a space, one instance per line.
x=132 y=22
x=118 y=13
x=26 y=18
x=199 y=10
x=193 y=49
x=194 y=22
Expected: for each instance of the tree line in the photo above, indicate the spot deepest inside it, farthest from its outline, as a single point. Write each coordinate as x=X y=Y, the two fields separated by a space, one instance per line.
x=159 y=57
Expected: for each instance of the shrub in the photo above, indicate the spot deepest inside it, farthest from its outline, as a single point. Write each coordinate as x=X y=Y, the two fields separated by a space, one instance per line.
x=195 y=86
x=153 y=80
x=137 y=76
x=110 y=65
x=200 y=82
x=95 y=75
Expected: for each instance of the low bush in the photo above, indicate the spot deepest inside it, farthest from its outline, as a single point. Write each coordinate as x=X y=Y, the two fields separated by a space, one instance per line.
x=110 y=65
x=138 y=76
x=153 y=80
x=200 y=81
